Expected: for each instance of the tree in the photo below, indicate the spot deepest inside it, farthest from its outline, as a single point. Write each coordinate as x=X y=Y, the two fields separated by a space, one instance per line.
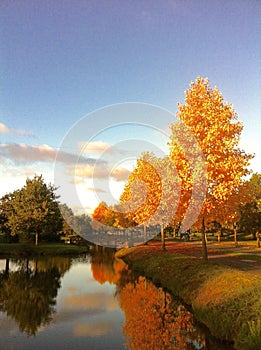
x=151 y=194
x=34 y=209
x=104 y=214
x=28 y=295
x=5 y=207
x=250 y=212
x=213 y=123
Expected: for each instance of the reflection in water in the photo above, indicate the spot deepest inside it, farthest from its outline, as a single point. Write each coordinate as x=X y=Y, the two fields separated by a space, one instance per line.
x=105 y=268
x=155 y=321
x=79 y=304
x=28 y=295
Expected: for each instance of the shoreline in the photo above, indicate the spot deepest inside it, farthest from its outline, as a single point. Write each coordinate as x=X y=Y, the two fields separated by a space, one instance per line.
x=223 y=298
x=18 y=250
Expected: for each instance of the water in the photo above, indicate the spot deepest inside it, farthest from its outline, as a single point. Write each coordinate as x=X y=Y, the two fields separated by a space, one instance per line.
x=92 y=302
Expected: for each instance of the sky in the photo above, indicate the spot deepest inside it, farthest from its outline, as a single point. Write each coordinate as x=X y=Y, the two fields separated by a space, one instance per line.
x=83 y=78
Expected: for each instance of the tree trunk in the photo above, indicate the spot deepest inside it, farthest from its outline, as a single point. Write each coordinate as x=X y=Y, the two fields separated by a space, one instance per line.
x=235 y=235
x=35 y=267
x=204 y=244
x=7 y=266
x=258 y=239
x=162 y=238
x=219 y=236
x=36 y=238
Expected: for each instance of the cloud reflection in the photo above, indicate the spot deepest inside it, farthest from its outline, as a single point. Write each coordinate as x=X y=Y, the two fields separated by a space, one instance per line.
x=91 y=301
x=92 y=329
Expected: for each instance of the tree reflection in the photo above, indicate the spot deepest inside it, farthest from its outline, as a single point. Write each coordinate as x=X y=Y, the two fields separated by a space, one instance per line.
x=154 y=321
x=105 y=268
x=29 y=295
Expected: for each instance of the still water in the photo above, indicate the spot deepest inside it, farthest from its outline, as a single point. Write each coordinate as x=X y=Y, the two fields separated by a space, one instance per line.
x=91 y=302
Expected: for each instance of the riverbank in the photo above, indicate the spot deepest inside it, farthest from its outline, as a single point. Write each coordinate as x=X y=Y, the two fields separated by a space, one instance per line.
x=227 y=300
x=14 y=250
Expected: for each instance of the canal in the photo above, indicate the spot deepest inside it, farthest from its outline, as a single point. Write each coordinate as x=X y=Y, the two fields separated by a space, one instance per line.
x=91 y=302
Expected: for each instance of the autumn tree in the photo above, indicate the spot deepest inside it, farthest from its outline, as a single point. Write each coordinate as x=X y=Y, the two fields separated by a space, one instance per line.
x=104 y=214
x=151 y=193
x=214 y=125
x=228 y=215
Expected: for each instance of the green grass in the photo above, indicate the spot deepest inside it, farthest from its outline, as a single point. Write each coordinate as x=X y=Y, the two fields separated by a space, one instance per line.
x=53 y=249
x=246 y=256
x=226 y=300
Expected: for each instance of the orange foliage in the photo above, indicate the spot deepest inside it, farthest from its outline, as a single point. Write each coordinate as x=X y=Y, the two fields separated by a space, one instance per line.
x=108 y=271
x=152 y=191
x=153 y=320
x=214 y=125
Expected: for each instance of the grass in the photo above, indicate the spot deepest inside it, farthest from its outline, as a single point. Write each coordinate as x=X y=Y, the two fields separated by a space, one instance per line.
x=226 y=300
x=51 y=249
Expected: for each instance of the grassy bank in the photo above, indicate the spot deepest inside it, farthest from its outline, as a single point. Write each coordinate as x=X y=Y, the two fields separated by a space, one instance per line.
x=226 y=300
x=47 y=249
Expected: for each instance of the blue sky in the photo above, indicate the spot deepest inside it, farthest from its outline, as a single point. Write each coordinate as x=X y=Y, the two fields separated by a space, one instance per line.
x=62 y=60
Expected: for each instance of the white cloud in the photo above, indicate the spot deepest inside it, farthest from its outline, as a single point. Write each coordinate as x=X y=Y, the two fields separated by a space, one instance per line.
x=96 y=190
x=120 y=174
x=6 y=130
x=100 y=171
x=27 y=154
x=95 y=147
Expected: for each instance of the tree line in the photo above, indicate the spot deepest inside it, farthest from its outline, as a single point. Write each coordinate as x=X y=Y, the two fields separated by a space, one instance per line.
x=34 y=213
x=205 y=173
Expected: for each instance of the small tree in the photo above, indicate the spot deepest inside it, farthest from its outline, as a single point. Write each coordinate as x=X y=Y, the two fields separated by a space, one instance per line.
x=250 y=212
x=151 y=194
x=34 y=210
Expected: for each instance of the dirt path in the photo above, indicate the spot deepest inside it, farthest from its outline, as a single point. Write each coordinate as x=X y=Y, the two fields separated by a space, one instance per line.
x=245 y=257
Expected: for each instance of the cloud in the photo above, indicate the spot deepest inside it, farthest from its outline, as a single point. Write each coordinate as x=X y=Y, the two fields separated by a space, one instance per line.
x=120 y=174
x=99 y=147
x=6 y=130
x=96 y=190
x=96 y=147
x=90 y=171
x=28 y=154
x=100 y=171
x=92 y=329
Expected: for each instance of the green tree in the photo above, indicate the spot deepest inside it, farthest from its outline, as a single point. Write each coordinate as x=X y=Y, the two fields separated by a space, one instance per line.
x=28 y=295
x=34 y=210
x=5 y=207
x=68 y=221
x=250 y=213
